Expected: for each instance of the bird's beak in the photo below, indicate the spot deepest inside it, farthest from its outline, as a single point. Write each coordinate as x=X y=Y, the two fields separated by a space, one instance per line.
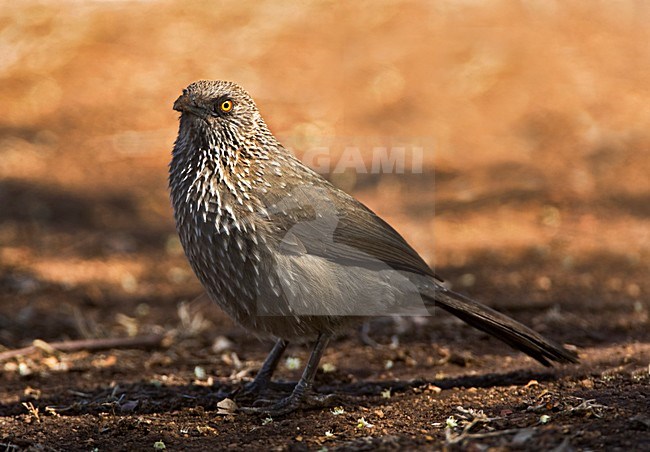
x=186 y=104
x=181 y=103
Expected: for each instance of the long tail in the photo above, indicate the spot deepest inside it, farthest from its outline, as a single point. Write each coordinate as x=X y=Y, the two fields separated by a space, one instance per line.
x=501 y=326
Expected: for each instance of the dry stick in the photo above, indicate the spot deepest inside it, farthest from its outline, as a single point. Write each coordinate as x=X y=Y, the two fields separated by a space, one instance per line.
x=152 y=340
x=464 y=435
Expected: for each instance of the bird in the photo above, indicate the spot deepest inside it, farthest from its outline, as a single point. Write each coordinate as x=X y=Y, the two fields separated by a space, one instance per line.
x=288 y=255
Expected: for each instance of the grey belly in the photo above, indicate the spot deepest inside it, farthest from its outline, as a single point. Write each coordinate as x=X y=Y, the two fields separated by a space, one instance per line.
x=302 y=296
x=298 y=296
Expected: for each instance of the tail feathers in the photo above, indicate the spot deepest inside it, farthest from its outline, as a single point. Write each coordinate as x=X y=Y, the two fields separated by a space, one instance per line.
x=502 y=327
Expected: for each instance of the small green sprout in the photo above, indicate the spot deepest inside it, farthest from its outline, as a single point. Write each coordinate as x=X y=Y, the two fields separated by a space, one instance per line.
x=362 y=423
x=292 y=363
x=451 y=422
x=199 y=373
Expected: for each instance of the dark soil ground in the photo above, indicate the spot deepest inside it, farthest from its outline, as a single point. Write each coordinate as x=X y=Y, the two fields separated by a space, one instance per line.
x=538 y=177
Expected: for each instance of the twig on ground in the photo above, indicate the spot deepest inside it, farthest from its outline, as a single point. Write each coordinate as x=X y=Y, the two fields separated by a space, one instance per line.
x=148 y=341
x=472 y=418
x=590 y=406
x=464 y=435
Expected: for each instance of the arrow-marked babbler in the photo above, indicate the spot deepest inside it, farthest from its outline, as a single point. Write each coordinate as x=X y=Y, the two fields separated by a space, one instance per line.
x=289 y=256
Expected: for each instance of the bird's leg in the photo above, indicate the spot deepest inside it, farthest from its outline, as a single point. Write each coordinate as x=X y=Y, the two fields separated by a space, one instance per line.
x=263 y=377
x=301 y=390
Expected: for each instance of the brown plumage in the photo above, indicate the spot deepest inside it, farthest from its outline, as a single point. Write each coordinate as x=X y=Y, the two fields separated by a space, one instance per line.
x=288 y=255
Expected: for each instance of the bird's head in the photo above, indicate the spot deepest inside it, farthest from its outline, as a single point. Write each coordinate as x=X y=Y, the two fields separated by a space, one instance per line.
x=221 y=112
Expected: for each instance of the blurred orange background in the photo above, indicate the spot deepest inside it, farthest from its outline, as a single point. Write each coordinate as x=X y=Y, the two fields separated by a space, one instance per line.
x=537 y=113
x=533 y=117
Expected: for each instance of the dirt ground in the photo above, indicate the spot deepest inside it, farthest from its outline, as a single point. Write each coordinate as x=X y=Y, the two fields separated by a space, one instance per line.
x=532 y=118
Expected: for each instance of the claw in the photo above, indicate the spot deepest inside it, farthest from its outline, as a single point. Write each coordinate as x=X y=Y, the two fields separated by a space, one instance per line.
x=291 y=403
x=284 y=406
x=253 y=388
x=263 y=403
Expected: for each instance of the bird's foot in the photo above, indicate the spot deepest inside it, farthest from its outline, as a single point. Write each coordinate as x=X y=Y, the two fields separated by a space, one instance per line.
x=253 y=389
x=290 y=403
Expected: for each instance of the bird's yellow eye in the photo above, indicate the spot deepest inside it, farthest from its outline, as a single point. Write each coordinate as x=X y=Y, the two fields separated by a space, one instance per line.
x=226 y=106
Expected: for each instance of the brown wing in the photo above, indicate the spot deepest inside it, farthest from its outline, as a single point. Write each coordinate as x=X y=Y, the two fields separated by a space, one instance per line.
x=331 y=224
